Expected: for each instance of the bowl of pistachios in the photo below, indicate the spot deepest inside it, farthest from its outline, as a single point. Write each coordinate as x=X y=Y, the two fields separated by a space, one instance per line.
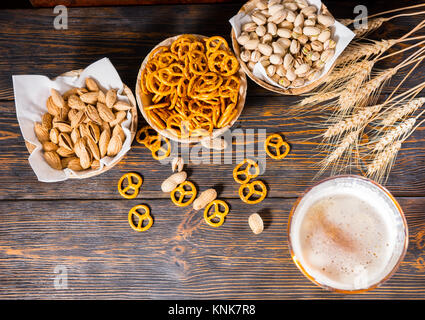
x=288 y=46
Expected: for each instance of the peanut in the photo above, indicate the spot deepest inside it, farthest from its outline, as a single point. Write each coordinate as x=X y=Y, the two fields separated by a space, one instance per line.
x=177 y=164
x=173 y=181
x=204 y=198
x=256 y=223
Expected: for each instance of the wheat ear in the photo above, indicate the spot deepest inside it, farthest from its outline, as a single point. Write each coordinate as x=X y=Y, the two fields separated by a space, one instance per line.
x=354 y=122
x=343 y=146
x=402 y=111
x=320 y=97
x=335 y=158
x=353 y=97
x=370 y=26
x=339 y=81
x=383 y=162
x=352 y=69
x=358 y=50
x=395 y=133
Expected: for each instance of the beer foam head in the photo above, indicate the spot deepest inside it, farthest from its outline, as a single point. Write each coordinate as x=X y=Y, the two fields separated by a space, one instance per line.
x=347 y=233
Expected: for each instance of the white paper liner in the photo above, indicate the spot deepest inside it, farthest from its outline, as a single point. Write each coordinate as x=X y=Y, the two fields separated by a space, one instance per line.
x=31 y=93
x=340 y=33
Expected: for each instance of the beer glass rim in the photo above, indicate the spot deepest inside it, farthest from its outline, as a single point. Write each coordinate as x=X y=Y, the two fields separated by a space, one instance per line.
x=392 y=271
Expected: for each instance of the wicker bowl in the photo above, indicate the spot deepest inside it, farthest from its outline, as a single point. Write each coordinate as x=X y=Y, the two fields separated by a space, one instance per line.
x=145 y=100
x=133 y=128
x=248 y=7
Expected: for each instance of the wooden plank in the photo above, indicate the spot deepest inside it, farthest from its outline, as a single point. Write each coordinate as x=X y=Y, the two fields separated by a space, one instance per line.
x=285 y=178
x=180 y=257
x=99 y=3
x=93 y=34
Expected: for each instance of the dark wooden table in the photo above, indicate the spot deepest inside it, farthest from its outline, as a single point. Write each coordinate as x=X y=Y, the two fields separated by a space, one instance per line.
x=81 y=226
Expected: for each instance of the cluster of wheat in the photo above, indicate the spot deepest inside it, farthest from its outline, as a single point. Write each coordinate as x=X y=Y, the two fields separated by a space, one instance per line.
x=359 y=131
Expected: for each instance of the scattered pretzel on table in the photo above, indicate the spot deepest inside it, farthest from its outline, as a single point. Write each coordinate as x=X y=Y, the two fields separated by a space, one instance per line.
x=217 y=213
x=154 y=142
x=156 y=146
x=252 y=191
x=142 y=217
x=193 y=86
x=247 y=171
x=275 y=141
x=182 y=193
x=130 y=185
x=144 y=135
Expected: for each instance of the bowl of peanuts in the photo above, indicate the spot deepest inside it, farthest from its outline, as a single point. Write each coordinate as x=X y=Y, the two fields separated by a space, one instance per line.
x=191 y=88
x=286 y=46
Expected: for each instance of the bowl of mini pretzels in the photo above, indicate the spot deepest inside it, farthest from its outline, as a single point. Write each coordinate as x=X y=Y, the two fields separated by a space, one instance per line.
x=190 y=87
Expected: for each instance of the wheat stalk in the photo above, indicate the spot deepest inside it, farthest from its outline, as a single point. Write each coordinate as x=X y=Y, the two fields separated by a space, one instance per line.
x=351 y=75
x=354 y=96
x=359 y=50
x=344 y=145
x=354 y=122
x=320 y=97
x=383 y=161
x=366 y=115
x=358 y=72
x=349 y=89
x=397 y=132
x=341 y=73
x=359 y=120
x=370 y=26
x=403 y=111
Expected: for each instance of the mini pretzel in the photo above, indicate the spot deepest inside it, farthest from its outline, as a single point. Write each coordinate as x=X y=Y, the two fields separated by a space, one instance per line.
x=182 y=193
x=252 y=191
x=216 y=43
x=143 y=135
x=145 y=216
x=223 y=63
x=133 y=186
x=247 y=172
x=216 y=213
x=276 y=141
x=154 y=142
x=156 y=146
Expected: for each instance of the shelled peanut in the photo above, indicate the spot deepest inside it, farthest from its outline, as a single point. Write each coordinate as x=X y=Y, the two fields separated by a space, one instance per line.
x=81 y=127
x=289 y=38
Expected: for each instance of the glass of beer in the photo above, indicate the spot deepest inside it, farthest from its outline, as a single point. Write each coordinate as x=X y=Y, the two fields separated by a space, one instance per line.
x=347 y=234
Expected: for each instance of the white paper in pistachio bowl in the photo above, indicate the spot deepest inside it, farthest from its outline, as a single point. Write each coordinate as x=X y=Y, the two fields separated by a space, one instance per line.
x=31 y=93
x=340 y=33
